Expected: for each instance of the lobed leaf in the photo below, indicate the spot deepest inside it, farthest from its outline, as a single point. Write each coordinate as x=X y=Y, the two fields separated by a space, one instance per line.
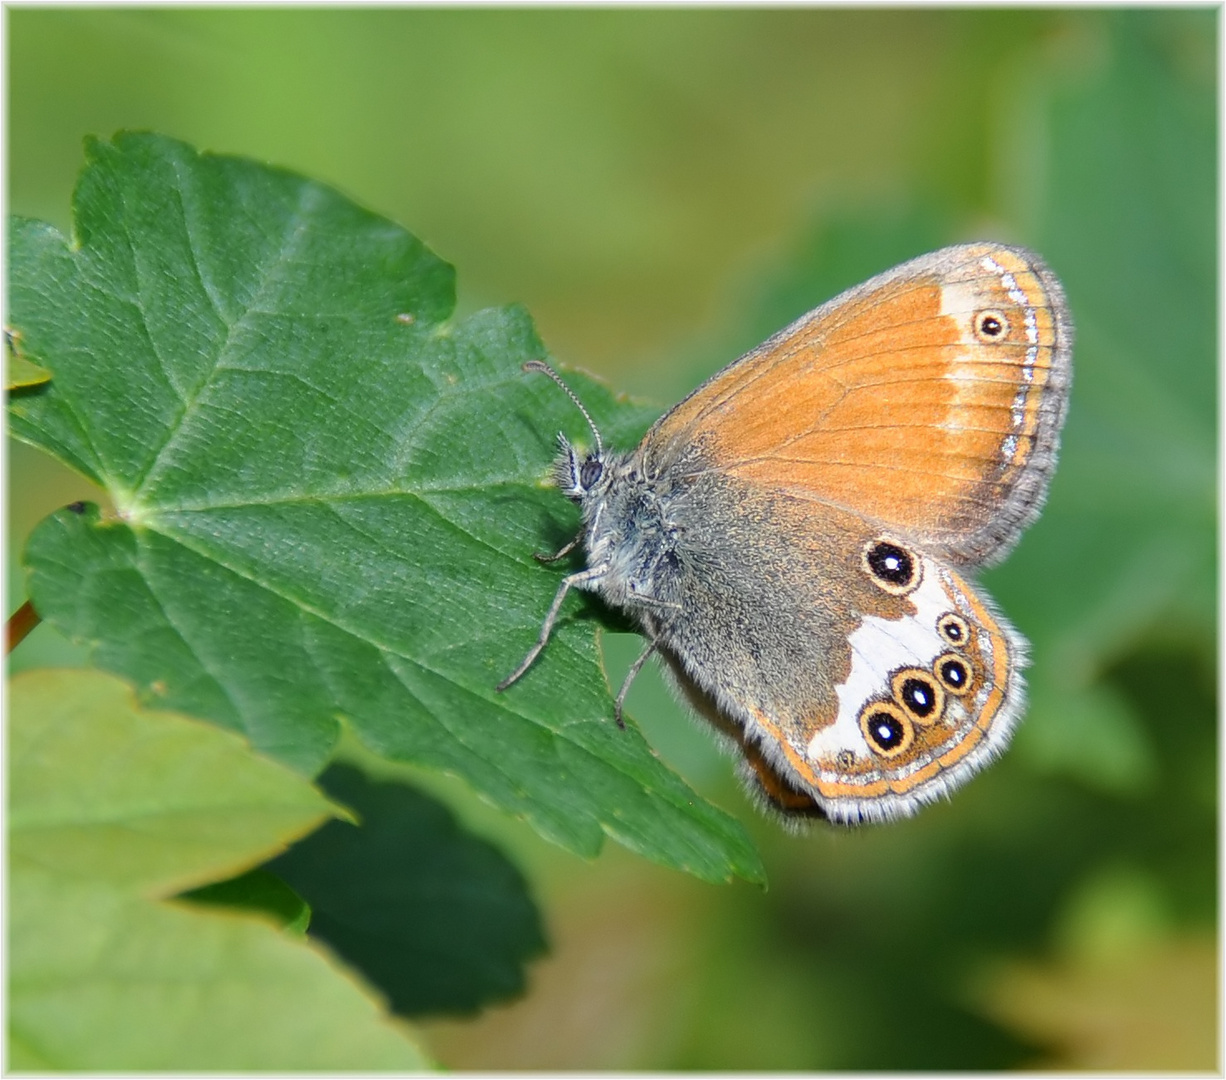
x=328 y=494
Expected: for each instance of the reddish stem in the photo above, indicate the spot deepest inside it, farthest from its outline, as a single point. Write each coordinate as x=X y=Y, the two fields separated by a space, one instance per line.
x=20 y=623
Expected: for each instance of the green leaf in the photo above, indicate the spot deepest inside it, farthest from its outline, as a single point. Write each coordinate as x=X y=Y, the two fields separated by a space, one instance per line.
x=111 y=806
x=438 y=920
x=256 y=890
x=328 y=494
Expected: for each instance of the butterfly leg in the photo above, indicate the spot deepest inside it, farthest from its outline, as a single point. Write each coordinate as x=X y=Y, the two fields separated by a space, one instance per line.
x=634 y=670
x=542 y=557
x=579 y=580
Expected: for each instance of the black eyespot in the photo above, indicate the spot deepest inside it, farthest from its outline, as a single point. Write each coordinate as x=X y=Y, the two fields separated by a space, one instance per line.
x=886 y=727
x=953 y=629
x=885 y=730
x=589 y=472
x=845 y=759
x=893 y=568
x=954 y=673
x=919 y=694
x=990 y=325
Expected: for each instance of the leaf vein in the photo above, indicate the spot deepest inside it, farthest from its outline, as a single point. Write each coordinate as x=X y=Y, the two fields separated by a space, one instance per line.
x=290 y=239
x=384 y=648
x=147 y=577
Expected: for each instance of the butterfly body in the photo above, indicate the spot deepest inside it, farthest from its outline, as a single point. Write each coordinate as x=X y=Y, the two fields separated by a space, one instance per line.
x=793 y=536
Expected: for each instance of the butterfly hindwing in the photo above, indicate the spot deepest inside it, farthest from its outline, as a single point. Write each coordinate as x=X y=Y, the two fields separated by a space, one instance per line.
x=858 y=672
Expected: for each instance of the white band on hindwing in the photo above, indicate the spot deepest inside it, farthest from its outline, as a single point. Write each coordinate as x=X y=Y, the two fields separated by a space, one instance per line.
x=880 y=646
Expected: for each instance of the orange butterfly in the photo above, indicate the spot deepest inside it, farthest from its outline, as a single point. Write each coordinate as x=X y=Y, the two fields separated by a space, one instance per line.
x=793 y=536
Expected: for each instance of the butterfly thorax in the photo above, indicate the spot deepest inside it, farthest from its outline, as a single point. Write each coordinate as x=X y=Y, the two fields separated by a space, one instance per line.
x=629 y=532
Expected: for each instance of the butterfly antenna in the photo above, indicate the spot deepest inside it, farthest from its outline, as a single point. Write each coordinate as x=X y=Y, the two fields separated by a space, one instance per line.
x=540 y=365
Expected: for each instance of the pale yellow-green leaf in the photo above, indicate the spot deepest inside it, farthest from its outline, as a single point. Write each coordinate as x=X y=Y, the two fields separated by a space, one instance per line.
x=111 y=805
x=100 y=789
x=20 y=372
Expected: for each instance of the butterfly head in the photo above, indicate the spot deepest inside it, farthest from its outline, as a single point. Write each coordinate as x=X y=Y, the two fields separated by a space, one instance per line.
x=578 y=474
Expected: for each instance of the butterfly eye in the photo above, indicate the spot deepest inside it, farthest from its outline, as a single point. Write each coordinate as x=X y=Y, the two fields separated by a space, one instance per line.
x=590 y=472
x=953 y=629
x=919 y=695
x=892 y=567
x=991 y=326
x=887 y=729
x=954 y=673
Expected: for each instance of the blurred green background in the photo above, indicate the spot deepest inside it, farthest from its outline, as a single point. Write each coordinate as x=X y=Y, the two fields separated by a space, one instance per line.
x=662 y=189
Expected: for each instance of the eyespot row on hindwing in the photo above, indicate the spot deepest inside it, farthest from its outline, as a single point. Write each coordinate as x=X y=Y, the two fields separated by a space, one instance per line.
x=917 y=696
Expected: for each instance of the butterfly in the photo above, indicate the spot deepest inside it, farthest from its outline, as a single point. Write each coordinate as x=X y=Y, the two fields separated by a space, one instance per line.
x=798 y=537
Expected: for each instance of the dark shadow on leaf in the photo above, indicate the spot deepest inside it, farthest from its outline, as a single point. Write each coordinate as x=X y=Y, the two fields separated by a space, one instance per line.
x=256 y=890
x=438 y=920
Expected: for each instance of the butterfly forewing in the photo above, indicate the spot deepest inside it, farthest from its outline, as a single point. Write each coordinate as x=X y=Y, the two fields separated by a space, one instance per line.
x=928 y=399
